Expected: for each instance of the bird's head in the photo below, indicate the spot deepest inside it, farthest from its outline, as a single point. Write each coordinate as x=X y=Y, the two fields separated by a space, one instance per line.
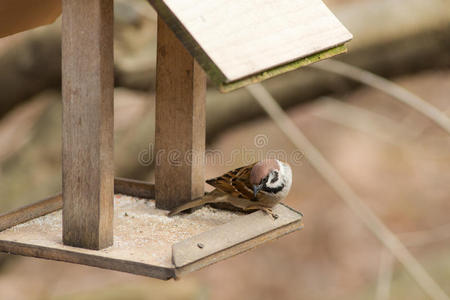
x=270 y=176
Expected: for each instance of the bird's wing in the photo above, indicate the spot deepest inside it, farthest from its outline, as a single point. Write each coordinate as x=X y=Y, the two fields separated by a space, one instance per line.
x=235 y=182
x=212 y=197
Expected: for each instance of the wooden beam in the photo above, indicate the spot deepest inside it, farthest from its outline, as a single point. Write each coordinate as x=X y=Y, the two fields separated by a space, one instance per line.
x=87 y=84
x=29 y=212
x=180 y=123
x=135 y=188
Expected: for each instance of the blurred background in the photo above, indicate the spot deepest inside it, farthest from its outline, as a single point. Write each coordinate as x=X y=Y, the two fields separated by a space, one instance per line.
x=396 y=160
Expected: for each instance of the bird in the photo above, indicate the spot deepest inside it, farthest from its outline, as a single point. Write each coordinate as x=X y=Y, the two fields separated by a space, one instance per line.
x=258 y=186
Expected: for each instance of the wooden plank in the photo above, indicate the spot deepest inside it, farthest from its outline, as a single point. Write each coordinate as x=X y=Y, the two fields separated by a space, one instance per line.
x=88 y=259
x=180 y=123
x=87 y=83
x=235 y=39
x=237 y=249
x=30 y=212
x=257 y=227
x=135 y=188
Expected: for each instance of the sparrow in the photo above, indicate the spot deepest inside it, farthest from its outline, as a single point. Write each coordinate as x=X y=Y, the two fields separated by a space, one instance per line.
x=258 y=186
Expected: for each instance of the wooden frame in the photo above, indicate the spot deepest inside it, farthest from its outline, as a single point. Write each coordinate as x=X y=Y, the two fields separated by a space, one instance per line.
x=190 y=40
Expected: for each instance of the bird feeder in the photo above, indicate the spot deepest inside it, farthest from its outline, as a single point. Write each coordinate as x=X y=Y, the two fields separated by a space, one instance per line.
x=235 y=43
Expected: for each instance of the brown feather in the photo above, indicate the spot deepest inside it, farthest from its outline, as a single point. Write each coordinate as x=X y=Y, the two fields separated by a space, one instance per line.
x=262 y=169
x=212 y=197
x=244 y=188
x=235 y=182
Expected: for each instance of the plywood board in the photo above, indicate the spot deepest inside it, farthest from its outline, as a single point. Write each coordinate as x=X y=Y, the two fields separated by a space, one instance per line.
x=235 y=39
x=302 y=62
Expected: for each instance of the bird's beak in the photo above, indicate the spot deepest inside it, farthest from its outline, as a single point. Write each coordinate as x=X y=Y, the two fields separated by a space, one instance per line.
x=256 y=189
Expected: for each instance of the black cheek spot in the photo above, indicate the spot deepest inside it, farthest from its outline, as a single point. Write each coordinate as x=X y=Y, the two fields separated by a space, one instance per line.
x=273 y=190
x=275 y=178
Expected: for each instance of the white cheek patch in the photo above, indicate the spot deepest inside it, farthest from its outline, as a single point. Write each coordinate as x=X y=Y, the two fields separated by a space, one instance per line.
x=275 y=184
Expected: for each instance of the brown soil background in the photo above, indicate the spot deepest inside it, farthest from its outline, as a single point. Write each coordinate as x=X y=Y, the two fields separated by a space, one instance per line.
x=403 y=179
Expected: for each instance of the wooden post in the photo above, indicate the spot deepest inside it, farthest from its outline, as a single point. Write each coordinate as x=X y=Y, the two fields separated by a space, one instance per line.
x=180 y=123
x=88 y=121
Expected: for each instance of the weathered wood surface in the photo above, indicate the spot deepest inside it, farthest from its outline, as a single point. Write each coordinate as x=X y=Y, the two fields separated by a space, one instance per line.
x=30 y=212
x=135 y=188
x=135 y=251
x=180 y=123
x=255 y=227
x=87 y=85
x=237 y=249
x=77 y=256
x=235 y=39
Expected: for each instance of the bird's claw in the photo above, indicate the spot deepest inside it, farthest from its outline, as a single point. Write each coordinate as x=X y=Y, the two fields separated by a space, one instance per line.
x=270 y=212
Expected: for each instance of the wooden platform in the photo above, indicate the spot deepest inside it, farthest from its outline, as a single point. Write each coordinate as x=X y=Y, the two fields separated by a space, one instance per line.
x=146 y=241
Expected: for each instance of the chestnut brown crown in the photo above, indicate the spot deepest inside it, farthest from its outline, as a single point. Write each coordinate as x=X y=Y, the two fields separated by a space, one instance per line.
x=262 y=169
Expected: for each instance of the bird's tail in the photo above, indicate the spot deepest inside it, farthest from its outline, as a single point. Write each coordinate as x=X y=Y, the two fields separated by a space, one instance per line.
x=212 y=197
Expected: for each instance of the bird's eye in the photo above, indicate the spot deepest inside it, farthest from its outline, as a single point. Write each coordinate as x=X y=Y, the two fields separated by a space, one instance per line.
x=264 y=180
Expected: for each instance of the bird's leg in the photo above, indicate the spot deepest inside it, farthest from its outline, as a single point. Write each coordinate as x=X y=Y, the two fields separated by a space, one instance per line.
x=267 y=210
x=270 y=212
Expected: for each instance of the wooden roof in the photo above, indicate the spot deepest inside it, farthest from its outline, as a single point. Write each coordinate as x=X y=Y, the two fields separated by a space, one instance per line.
x=236 y=42
x=233 y=40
